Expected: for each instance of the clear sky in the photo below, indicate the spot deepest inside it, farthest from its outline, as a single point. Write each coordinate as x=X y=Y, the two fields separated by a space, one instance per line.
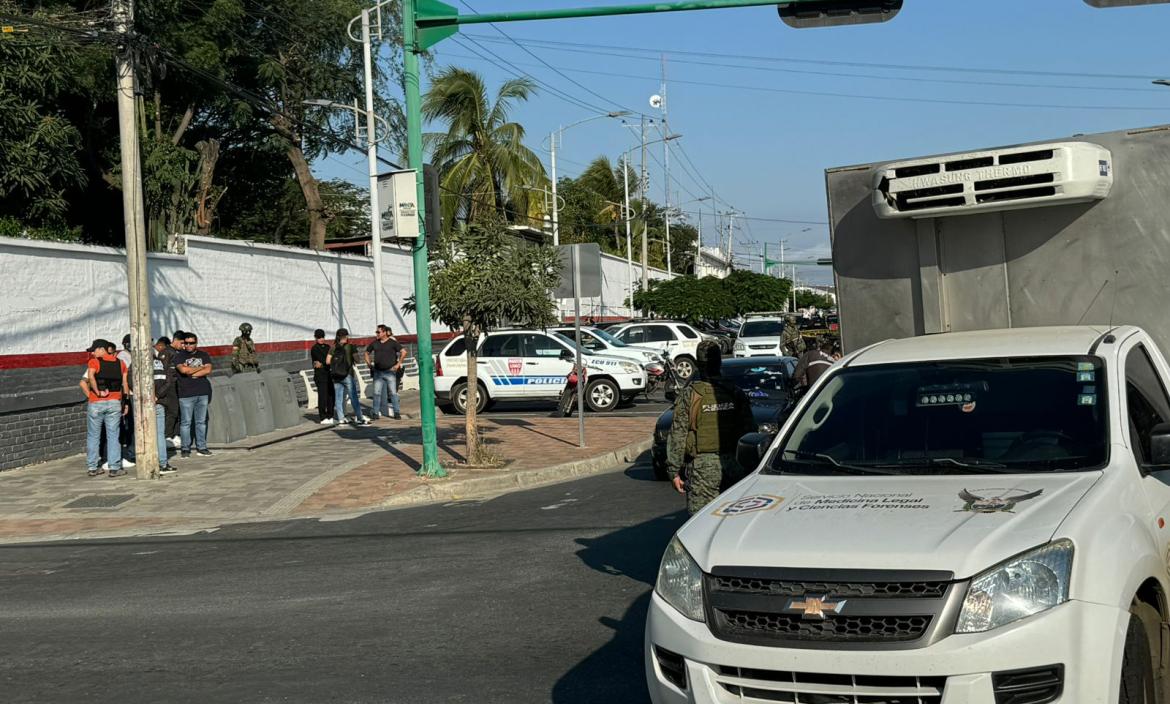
x=764 y=109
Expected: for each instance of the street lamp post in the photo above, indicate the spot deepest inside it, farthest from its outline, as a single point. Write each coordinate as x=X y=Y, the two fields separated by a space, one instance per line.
x=372 y=163
x=699 y=237
x=553 y=138
x=625 y=156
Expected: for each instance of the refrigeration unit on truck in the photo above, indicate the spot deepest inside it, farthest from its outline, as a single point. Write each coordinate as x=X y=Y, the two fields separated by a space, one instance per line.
x=975 y=513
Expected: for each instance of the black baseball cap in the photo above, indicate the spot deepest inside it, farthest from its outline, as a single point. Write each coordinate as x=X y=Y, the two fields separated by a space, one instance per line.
x=126 y=341
x=318 y=334
x=98 y=344
x=164 y=340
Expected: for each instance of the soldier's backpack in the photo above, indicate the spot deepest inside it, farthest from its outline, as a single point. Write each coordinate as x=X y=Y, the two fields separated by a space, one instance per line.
x=715 y=420
x=109 y=375
x=339 y=367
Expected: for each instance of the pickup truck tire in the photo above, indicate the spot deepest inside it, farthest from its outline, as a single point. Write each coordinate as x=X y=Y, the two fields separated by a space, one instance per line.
x=602 y=395
x=459 y=398
x=1137 y=664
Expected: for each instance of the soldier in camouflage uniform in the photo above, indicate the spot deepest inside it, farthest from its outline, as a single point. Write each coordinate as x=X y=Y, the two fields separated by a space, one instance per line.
x=791 y=343
x=710 y=416
x=244 y=357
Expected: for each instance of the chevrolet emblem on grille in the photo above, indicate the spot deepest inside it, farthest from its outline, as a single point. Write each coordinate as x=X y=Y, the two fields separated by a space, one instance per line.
x=815 y=607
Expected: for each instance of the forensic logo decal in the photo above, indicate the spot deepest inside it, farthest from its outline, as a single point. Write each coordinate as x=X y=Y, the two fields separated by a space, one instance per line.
x=763 y=502
x=1003 y=502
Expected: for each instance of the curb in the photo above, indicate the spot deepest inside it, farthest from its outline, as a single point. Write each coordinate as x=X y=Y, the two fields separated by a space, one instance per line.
x=522 y=479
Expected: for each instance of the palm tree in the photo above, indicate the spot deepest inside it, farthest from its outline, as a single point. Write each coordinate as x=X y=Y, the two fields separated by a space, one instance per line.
x=604 y=179
x=481 y=158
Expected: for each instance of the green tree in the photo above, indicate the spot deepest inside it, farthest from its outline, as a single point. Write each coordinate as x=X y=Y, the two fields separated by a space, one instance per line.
x=482 y=160
x=750 y=292
x=483 y=277
x=709 y=298
x=813 y=299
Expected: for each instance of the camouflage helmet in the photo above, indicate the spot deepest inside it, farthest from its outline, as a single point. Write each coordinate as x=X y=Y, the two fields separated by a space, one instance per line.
x=246 y=328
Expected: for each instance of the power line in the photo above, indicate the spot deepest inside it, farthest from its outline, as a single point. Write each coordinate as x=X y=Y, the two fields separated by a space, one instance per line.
x=550 y=44
x=556 y=70
x=890 y=98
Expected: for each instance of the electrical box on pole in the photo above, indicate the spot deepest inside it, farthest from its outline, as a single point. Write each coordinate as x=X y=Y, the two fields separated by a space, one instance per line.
x=434 y=205
x=398 y=198
x=831 y=13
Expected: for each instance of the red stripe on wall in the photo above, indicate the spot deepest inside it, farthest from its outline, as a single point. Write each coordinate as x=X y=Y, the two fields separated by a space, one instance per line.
x=77 y=359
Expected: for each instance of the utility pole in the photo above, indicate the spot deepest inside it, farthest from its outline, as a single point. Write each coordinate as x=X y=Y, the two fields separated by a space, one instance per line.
x=629 y=240
x=730 y=238
x=645 y=235
x=372 y=159
x=142 y=361
x=666 y=167
x=699 y=241
x=555 y=220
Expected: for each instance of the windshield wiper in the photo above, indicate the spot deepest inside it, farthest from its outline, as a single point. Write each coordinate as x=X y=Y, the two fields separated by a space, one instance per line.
x=856 y=469
x=973 y=464
x=1051 y=463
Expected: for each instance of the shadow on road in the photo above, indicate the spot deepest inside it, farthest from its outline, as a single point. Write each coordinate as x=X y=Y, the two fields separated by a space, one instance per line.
x=642 y=470
x=614 y=672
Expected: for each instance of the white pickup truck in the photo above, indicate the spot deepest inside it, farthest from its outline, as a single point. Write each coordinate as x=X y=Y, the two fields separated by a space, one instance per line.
x=964 y=518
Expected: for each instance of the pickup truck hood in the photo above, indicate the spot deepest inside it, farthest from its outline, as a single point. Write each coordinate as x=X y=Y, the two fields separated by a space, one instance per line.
x=955 y=523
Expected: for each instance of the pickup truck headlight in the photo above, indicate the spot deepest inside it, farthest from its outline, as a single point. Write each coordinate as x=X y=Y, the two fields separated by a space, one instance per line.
x=680 y=582
x=630 y=368
x=1024 y=585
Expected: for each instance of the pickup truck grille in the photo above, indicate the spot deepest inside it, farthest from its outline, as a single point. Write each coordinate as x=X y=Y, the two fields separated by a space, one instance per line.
x=810 y=609
x=811 y=688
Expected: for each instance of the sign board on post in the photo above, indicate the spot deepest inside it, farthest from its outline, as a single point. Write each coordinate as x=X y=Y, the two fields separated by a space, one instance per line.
x=589 y=259
x=398 y=196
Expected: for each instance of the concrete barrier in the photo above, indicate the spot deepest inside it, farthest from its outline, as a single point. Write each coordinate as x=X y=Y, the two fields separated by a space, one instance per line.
x=286 y=412
x=255 y=403
x=225 y=417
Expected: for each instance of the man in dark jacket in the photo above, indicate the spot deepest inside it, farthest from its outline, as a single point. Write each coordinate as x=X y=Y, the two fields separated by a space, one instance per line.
x=814 y=363
x=164 y=394
x=168 y=355
x=319 y=353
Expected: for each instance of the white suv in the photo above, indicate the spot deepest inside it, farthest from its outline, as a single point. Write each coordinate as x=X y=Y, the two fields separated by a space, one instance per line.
x=532 y=365
x=597 y=341
x=679 y=341
x=760 y=336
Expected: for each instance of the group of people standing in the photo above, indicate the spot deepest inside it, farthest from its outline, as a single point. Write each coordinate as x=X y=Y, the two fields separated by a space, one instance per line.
x=335 y=374
x=182 y=392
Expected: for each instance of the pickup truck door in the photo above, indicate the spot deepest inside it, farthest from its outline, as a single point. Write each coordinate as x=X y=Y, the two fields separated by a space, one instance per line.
x=1146 y=404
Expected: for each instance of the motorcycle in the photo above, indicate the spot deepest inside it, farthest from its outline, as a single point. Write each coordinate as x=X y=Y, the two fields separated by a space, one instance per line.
x=568 y=398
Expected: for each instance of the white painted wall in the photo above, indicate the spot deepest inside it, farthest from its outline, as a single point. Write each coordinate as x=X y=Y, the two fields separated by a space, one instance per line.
x=58 y=297
x=615 y=282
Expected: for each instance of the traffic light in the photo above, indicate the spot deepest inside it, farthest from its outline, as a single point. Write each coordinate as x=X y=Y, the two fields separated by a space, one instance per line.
x=831 y=13
x=432 y=204
x=1123 y=3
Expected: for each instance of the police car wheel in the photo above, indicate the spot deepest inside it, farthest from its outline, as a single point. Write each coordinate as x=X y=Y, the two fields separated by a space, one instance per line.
x=684 y=367
x=602 y=395
x=459 y=398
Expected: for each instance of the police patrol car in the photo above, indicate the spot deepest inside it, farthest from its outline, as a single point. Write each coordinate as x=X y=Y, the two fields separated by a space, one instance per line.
x=532 y=365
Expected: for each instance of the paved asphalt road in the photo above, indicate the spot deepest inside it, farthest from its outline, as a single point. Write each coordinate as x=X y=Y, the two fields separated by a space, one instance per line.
x=537 y=596
x=642 y=406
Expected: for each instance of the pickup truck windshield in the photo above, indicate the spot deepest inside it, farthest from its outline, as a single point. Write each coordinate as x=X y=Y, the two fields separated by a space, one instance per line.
x=1033 y=414
x=762 y=328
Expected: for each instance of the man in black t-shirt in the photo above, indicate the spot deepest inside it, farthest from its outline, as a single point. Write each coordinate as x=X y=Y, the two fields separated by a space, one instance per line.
x=319 y=353
x=193 y=366
x=385 y=356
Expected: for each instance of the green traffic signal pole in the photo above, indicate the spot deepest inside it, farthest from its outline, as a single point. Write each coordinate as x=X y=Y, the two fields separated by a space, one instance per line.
x=424 y=24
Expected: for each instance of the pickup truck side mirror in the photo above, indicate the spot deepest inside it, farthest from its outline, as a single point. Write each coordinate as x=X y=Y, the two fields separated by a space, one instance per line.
x=1160 y=444
x=751 y=449
x=567 y=356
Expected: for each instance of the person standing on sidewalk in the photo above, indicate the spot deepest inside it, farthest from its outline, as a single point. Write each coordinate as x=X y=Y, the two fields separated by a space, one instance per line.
x=193 y=366
x=164 y=387
x=385 y=356
x=319 y=353
x=126 y=434
x=174 y=347
x=105 y=377
x=342 y=361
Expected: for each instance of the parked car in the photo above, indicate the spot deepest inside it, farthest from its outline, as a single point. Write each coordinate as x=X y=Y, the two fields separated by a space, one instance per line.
x=597 y=341
x=532 y=365
x=760 y=335
x=767 y=381
x=679 y=341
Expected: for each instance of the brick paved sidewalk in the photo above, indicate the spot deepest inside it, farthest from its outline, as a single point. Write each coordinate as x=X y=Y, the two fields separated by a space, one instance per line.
x=337 y=471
